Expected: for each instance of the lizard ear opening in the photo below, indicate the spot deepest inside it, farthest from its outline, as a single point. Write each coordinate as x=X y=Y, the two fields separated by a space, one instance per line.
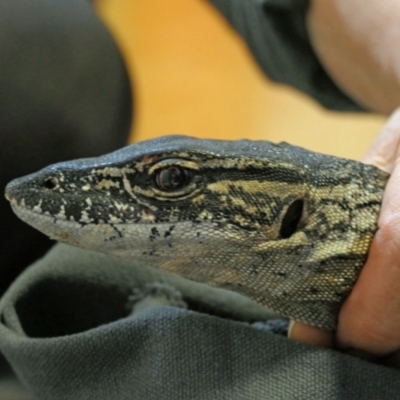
x=291 y=219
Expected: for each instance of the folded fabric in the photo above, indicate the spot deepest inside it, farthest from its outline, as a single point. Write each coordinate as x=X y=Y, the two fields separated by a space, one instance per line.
x=68 y=332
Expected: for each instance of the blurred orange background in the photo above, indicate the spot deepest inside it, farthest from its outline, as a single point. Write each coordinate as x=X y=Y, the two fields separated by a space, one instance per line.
x=193 y=74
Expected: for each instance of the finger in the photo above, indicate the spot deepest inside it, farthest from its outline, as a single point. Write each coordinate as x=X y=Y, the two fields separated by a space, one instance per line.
x=309 y=334
x=386 y=147
x=370 y=317
x=362 y=323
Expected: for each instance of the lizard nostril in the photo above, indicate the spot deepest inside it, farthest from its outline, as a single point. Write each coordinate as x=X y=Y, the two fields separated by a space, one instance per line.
x=291 y=219
x=50 y=183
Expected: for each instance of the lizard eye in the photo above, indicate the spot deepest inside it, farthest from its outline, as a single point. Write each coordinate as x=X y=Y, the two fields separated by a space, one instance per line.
x=173 y=178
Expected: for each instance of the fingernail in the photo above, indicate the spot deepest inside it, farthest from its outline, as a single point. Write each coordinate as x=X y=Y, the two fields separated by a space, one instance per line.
x=291 y=324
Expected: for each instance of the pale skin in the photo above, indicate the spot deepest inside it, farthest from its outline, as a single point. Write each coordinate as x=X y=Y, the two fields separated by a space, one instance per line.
x=358 y=42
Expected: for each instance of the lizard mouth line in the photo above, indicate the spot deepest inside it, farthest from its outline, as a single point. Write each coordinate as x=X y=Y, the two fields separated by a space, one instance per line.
x=23 y=212
x=32 y=217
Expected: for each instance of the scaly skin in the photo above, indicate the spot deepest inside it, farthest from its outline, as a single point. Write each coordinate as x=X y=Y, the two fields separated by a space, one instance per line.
x=287 y=227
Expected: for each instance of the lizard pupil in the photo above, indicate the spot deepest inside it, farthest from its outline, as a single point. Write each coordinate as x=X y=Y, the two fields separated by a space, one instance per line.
x=291 y=219
x=172 y=178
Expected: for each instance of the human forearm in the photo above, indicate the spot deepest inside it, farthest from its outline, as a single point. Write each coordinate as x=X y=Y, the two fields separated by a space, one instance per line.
x=358 y=42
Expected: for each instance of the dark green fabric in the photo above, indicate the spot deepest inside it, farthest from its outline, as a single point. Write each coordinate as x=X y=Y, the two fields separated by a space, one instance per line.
x=66 y=331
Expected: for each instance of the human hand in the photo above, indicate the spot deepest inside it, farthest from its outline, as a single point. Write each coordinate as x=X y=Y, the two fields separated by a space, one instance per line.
x=369 y=320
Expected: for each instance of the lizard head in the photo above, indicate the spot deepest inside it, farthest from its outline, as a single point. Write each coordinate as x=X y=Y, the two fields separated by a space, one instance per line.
x=140 y=194
x=277 y=223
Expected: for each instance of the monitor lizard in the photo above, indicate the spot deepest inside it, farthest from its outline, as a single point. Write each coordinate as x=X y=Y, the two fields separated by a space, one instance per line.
x=285 y=226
